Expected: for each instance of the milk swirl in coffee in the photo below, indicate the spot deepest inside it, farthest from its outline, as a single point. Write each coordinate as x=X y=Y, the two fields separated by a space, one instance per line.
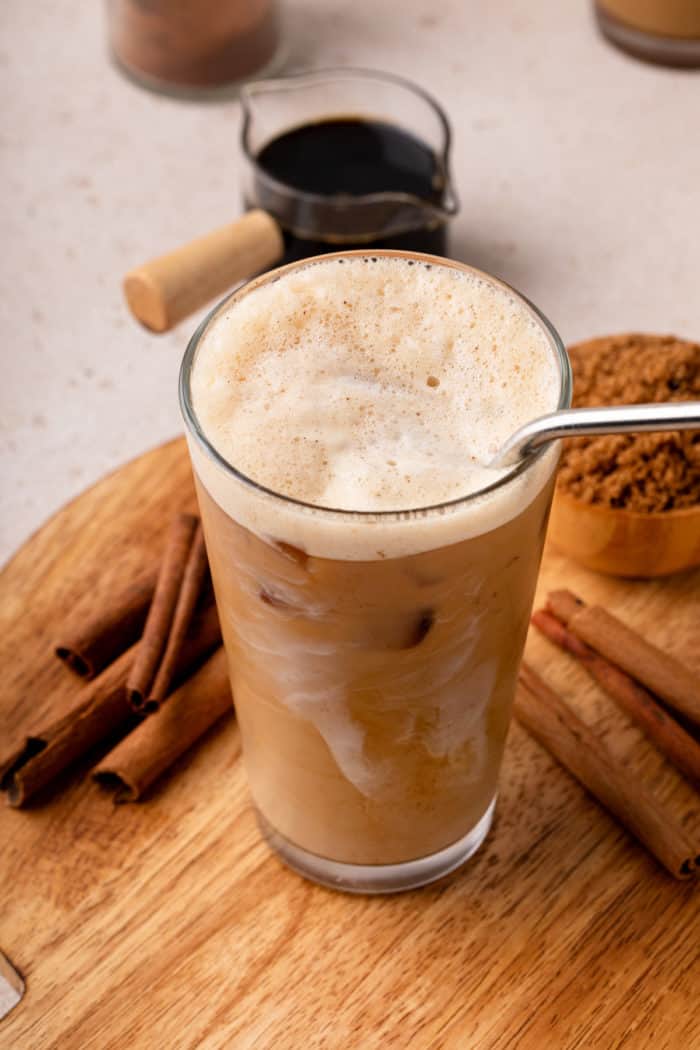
x=373 y=655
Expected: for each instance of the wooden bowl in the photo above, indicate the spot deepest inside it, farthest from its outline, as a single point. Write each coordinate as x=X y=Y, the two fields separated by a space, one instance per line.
x=623 y=543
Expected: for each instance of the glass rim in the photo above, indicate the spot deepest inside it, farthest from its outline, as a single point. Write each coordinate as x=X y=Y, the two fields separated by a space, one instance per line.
x=450 y=205
x=195 y=429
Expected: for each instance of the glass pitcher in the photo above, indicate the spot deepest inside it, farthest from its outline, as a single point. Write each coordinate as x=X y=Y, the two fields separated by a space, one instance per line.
x=348 y=158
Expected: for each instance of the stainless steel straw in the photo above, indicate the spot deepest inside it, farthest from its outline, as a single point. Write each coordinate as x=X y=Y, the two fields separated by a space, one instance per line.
x=614 y=419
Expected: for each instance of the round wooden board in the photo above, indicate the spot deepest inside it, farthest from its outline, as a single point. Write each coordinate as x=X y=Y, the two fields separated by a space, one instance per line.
x=169 y=923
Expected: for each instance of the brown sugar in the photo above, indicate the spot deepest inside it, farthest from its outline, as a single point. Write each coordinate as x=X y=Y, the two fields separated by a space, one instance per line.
x=640 y=472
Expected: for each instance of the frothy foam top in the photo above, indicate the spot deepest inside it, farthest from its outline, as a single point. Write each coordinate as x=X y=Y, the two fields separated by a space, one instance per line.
x=367 y=384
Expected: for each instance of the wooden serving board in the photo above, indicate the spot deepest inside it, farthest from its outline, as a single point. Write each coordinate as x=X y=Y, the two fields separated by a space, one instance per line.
x=169 y=924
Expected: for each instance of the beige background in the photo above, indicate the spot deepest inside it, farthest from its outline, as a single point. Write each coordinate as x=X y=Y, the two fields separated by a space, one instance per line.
x=578 y=168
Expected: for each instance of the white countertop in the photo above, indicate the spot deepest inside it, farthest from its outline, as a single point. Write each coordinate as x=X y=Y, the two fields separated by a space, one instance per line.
x=578 y=170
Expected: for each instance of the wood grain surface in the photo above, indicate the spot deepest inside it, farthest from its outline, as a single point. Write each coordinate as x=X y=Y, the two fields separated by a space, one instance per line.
x=169 y=924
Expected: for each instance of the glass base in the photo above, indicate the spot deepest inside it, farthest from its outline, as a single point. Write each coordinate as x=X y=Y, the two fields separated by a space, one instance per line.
x=661 y=50
x=196 y=92
x=378 y=878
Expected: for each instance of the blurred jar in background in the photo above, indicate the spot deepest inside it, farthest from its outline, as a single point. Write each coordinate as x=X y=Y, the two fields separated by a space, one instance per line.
x=663 y=31
x=193 y=47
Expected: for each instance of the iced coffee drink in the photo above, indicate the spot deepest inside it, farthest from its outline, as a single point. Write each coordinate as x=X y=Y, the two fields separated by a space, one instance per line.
x=373 y=574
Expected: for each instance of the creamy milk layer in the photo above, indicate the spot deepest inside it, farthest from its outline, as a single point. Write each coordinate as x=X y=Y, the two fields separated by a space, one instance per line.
x=370 y=384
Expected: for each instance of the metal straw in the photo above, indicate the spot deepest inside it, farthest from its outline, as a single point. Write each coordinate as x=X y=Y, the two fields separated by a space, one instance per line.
x=614 y=419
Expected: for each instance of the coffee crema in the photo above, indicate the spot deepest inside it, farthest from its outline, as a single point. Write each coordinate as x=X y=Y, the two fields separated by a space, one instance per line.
x=370 y=384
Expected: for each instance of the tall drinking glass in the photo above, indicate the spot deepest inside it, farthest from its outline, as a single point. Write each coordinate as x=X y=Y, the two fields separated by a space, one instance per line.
x=373 y=653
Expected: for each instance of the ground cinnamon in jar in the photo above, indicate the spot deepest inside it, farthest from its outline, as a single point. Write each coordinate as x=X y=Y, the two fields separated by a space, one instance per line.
x=192 y=44
x=638 y=472
x=669 y=18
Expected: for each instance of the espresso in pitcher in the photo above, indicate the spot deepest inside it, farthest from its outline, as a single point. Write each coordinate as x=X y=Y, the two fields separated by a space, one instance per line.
x=351 y=157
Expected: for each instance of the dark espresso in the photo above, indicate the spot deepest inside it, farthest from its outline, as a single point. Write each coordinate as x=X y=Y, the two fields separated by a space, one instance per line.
x=347 y=157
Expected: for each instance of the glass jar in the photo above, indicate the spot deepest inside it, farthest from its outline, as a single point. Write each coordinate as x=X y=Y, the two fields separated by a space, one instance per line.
x=193 y=47
x=662 y=31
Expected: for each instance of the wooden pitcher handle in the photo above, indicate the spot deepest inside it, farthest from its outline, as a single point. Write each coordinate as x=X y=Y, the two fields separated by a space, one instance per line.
x=165 y=290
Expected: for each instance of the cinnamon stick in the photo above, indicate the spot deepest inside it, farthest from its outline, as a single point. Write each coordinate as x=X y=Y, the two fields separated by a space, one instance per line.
x=584 y=754
x=142 y=756
x=160 y=614
x=90 y=640
x=100 y=709
x=195 y=571
x=668 y=736
x=663 y=674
